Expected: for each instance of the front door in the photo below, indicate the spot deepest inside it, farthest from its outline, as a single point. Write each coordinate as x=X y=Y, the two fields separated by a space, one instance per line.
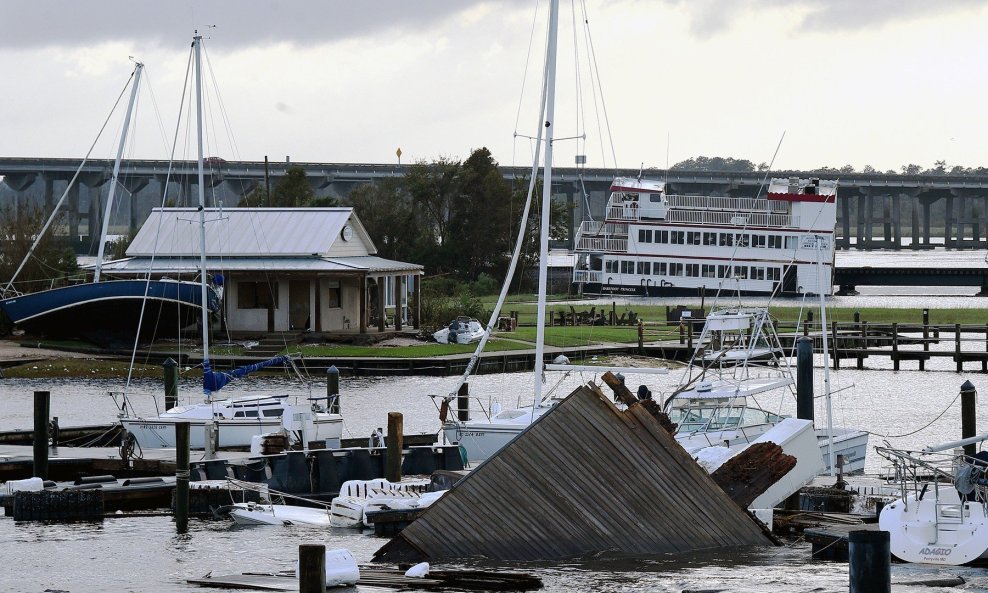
x=298 y=305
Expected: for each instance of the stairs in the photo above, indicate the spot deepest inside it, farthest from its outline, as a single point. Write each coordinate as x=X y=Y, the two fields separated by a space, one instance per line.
x=273 y=344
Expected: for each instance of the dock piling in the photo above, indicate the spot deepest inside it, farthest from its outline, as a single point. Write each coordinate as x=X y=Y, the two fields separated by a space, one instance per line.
x=968 y=416
x=869 y=561
x=170 y=368
x=804 y=378
x=42 y=405
x=392 y=471
x=333 y=390
x=311 y=568
x=463 y=402
x=182 y=477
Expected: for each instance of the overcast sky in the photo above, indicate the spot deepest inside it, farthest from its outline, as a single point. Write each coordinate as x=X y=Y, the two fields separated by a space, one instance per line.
x=879 y=82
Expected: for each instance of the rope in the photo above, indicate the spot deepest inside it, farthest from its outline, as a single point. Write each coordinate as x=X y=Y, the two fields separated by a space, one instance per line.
x=899 y=436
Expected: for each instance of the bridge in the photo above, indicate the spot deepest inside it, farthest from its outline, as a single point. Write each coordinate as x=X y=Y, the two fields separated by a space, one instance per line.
x=875 y=211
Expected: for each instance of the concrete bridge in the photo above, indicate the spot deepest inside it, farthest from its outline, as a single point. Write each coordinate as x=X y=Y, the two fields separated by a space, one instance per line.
x=875 y=211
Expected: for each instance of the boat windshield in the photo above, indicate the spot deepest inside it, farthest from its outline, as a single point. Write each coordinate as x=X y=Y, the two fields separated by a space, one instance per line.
x=705 y=418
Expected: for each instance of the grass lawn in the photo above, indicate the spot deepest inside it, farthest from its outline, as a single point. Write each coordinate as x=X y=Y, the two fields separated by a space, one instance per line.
x=81 y=367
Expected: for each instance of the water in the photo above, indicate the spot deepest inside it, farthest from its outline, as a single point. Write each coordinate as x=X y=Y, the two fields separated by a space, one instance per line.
x=145 y=554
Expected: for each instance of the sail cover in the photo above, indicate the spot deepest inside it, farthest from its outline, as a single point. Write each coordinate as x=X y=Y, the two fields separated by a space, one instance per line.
x=213 y=381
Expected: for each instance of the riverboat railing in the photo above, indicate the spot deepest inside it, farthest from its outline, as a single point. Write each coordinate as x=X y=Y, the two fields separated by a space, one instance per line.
x=755 y=219
x=599 y=244
x=740 y=205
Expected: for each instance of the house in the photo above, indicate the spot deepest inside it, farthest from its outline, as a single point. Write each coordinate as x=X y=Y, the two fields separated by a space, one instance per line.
x=280 y=269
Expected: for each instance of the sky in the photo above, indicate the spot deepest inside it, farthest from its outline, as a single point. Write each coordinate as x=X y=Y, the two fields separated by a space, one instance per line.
x=811 y=83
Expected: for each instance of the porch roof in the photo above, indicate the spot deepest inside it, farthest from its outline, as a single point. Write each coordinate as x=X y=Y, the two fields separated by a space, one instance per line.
x=136 y=266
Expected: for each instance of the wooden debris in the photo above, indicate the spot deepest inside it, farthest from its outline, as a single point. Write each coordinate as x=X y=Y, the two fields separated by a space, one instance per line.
x=585 y=478
x=458 y=580
x=751 y=472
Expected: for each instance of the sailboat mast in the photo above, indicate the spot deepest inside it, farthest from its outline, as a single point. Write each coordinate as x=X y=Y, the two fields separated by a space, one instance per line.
x=116 y=171
x=197 y=43
x=550 y=108
x=826 y=357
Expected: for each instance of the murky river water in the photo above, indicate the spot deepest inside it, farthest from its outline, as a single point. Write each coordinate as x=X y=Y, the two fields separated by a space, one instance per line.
x=144 y=554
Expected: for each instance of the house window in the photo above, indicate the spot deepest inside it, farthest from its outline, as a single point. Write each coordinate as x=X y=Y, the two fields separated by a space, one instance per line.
x=257 y=295
x=333 y=295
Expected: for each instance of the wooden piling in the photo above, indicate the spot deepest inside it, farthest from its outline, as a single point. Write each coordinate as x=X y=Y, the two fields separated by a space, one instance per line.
x=392 y=471
x=182 y=477
x=170 y=368
x=333 y=390
x=463 y=402
x=42 y=404
x=957 y=348
x=969 y=416
x=895 y=346
x=864 y=344
x=311 y=568
x=833 y=341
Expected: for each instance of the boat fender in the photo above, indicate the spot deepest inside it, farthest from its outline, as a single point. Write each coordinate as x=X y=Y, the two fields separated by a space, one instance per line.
x=419 y=571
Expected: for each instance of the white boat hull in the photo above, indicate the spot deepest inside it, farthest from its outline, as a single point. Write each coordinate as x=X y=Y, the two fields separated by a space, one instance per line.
x=937 y=529
x=279 y=514
x=153 y=433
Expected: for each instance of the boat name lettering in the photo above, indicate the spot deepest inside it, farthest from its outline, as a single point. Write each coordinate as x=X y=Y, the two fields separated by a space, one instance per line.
x=156 y=426
x=935 y=551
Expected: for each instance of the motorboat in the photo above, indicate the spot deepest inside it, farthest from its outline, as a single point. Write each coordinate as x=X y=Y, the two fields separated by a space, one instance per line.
x=462 y=330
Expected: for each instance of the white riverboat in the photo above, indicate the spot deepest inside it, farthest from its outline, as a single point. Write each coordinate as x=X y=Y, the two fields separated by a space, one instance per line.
x=651 y=243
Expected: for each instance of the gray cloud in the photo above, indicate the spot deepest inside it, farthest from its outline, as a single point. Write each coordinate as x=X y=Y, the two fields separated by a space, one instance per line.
x=711 y=16
x=70 y=23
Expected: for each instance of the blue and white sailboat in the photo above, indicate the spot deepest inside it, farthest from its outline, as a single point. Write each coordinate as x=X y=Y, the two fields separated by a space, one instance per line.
x=105 y=306
x=236 y=420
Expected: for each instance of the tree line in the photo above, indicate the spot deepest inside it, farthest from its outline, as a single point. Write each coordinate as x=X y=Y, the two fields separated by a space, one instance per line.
x=720 y=164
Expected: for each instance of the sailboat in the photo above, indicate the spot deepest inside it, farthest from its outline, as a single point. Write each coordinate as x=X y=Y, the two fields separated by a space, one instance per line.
x=236 y=420
x=103 y=305
x=483 y=437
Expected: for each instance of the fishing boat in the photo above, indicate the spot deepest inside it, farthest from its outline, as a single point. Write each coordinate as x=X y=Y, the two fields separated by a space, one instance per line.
x=941 y=515
x=653 y=243
x=231 y=422
x=105 y=306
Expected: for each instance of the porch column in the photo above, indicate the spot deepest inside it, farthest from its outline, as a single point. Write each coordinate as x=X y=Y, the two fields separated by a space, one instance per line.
x=380 y=304
x=417 y=295
x=398 y=298
x=363 y=304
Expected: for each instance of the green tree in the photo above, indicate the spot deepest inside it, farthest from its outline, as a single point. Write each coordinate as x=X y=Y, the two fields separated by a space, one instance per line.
x=389 y=217
x=52 y=262
x=716 y=163
x=293 y=190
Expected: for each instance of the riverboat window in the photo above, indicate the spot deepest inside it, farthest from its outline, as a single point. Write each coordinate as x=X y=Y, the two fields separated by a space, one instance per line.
x=678 y=237
x=775 y=241
x=709 y=238
x=693 y=238
x=757 y=273
x=676 y=269
x=726 y=239
x=791 y=241
x=693 y=270
x=742 y=240
x=759 y=241
x=659 y=268
x=610 y=266
x=655 y=198
x=774 y=274
x=723 y=271
x=709 y=270
x=741 y=272
x=257 y=295
x=661 y=236
x=643 y=267
x=630 y=197
x=644 y=235
x=627 y=267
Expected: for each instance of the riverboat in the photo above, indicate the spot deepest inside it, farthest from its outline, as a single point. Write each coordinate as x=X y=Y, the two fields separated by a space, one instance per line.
x=651 y=243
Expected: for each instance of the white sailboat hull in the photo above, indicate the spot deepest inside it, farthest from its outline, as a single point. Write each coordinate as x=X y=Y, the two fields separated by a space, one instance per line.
x=939 y=528
x=159 y=432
